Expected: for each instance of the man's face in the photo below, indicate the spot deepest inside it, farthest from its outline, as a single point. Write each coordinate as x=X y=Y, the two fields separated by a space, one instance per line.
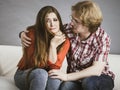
x=76 y=24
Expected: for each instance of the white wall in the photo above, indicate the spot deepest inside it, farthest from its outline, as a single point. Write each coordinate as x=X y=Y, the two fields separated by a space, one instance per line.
x=16 y=15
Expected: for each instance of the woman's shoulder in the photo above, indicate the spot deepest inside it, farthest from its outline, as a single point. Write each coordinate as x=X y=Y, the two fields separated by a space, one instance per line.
x=67 y=43
x=31 y=30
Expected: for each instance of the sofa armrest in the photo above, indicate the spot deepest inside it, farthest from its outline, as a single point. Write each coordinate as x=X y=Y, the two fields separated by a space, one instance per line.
x=9 y=57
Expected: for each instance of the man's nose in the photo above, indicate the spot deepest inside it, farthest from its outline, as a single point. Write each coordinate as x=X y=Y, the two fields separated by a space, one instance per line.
x=71 y=23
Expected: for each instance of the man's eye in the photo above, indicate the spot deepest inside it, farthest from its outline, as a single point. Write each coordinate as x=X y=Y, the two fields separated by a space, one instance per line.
x=76 y=21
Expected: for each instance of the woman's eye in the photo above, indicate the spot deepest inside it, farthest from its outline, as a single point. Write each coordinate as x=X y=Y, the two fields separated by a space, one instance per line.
x=55 y=19
x=50 y=20
x=47 y=20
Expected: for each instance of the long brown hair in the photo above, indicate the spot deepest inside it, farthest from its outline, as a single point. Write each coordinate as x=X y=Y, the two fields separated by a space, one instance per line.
x=42 y=36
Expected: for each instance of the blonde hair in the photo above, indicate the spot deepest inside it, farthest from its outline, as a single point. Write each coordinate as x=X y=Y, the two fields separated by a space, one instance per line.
x=89 y=13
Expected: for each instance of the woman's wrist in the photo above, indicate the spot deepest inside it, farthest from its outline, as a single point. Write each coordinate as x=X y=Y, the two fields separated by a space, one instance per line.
x=53 y=45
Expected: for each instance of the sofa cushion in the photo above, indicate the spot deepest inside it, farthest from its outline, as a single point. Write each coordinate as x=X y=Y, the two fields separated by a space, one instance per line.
x=9 y=57
x=114 y=61
x=7 y=84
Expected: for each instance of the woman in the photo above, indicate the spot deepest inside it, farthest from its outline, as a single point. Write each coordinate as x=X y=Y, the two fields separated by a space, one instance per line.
x=48 y=49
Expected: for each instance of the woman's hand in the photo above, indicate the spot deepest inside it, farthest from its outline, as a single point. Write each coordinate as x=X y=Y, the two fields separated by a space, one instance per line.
x=25 y=40
x=56 y=73
x=58 y=39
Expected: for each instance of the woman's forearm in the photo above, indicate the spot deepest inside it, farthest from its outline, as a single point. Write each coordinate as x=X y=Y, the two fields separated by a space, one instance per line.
x=52 y=54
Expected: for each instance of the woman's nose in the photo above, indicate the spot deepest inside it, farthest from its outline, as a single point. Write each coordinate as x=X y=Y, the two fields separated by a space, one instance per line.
x=51 y=23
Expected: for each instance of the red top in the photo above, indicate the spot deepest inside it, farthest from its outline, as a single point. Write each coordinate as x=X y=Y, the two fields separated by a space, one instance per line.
x=30 y=54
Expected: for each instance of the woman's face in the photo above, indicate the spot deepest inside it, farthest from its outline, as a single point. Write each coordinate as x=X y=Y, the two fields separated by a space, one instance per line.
x=52 y=23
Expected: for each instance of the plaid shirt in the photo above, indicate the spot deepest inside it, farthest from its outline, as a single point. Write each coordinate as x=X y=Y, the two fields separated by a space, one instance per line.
x=82 y=53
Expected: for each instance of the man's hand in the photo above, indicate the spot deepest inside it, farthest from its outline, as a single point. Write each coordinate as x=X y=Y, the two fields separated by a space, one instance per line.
x=25 y=40
x=54 y=73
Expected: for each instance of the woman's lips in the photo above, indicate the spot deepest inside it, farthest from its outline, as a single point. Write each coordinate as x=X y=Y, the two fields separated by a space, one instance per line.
x=52 y=28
